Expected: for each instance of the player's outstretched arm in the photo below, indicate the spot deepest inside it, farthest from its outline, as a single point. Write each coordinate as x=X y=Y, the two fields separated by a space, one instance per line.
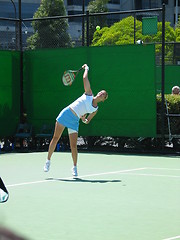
x=89 y=118
x=87 y=87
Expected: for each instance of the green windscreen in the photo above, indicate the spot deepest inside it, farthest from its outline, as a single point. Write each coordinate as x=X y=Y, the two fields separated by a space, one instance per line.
x=9 y=92
x=127 y=73
x=149 y=25
x=172 y=74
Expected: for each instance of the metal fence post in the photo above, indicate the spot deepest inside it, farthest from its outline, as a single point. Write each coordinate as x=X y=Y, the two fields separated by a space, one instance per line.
x=87 y=28
x=16 y=34
x=83 y=10
x=134 y=28
x=163 y=78
x=21 y=64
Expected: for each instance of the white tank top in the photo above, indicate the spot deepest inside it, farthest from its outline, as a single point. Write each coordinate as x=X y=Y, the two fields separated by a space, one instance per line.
x=83 y=105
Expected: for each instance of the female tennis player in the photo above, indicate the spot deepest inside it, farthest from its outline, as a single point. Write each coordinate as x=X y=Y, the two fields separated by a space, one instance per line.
x=85 y=108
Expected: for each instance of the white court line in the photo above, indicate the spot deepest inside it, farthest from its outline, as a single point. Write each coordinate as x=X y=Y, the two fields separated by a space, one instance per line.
x=170 y=169
x=90 y=175
x=151 y=175
x=171 y=238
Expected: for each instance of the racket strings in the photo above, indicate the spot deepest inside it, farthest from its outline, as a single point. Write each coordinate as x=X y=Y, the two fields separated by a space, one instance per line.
x=68 y=78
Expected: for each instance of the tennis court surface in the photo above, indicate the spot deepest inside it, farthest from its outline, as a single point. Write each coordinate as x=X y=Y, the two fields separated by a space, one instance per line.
x=115 y=197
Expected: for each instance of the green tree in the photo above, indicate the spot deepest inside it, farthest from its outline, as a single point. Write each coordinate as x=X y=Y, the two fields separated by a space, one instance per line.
x=97 y=6
x=50 y=33
x=122 y=32
x=169 y=37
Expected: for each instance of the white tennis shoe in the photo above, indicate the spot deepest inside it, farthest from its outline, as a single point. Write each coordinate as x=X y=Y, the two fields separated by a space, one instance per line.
x=74 y=171
x=47 y=165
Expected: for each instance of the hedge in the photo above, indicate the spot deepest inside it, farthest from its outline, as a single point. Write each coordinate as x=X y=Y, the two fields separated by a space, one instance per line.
x=172 y=106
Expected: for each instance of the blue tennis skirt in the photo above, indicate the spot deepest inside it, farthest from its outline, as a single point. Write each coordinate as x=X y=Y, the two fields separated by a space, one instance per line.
x=68 y=119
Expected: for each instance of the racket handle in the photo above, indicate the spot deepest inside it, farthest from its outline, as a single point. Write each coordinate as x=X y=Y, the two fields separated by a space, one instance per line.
x=85 y=121
x=79 y=69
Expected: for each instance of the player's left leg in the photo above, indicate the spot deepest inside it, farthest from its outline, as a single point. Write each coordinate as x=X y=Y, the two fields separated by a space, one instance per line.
x=59 y=128
x=73 y=144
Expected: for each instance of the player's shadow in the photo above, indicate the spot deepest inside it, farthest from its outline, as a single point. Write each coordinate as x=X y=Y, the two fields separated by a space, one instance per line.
x=83 y=180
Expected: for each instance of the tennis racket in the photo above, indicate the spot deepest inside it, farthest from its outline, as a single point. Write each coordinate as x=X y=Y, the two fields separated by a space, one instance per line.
x=69 y=76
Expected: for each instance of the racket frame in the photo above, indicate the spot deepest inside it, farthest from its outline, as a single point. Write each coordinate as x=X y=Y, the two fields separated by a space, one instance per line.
x=69 y=78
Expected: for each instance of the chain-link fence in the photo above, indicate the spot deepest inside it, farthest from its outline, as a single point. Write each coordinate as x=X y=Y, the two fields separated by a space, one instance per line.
x=9 y=35
x=79 y=30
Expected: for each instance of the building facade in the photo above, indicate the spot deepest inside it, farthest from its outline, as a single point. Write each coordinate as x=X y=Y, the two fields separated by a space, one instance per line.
x=7 y=9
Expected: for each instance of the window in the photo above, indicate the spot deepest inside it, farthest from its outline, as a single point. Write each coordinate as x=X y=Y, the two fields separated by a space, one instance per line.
x=77 y=2
x=175 y=18
x=138 y=4
x=114 y=1
x=154 y=3
x=74 y=2
x=145 y=4
x=175 y=2
x=165 y=1
x=149 y=4
x=74 y=19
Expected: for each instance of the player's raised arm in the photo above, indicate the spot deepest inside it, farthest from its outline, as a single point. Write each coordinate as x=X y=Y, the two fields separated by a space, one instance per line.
x=87 y=87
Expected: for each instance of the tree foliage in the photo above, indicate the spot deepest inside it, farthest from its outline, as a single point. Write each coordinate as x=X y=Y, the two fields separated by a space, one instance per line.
x=50 y=33
x=122 y=32
x=98 y=6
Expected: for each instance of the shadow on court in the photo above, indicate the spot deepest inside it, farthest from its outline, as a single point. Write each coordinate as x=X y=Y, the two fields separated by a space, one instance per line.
x=83 y=180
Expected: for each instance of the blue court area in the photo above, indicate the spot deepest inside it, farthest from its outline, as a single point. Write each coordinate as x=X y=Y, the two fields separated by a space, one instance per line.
x=116 y=196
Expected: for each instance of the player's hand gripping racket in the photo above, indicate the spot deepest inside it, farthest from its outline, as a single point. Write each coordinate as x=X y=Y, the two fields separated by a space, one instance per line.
x=69 y=76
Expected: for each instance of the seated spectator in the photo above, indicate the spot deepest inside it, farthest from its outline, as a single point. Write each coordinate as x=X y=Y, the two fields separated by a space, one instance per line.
x=175 y=90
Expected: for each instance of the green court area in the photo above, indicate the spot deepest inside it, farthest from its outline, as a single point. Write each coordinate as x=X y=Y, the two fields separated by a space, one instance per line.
x=115 y=197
